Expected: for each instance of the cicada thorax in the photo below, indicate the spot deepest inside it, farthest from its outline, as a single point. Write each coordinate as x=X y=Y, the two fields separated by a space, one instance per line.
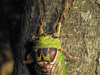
x=46 y=54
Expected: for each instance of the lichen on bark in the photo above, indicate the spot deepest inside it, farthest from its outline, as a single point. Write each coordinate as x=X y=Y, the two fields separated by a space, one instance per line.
x=82 y=37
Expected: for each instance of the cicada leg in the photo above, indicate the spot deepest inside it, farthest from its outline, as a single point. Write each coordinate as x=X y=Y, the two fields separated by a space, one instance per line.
x=29 y=59
x=57 y=29
x=33 y=36
x=68 y=56
x=41 y=27
x=57 y=26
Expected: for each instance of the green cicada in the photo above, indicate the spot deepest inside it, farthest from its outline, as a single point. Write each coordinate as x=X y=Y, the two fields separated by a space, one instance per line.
x=48 y=52
x=49 y=57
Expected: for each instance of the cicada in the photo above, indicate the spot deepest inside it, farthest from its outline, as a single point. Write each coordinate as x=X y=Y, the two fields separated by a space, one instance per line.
x=48 y=52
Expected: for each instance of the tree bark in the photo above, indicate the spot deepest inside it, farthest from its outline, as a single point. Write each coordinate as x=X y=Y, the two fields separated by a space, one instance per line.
x=80 y=33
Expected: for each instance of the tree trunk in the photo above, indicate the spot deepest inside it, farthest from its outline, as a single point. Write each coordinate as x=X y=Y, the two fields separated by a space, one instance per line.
x=80 y=33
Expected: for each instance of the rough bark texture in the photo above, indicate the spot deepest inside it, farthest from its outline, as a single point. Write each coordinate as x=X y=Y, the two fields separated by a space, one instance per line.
x=80 y=33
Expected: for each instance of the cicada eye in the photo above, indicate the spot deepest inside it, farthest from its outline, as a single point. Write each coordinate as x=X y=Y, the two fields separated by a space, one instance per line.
x=52 y=53
x=55 y=36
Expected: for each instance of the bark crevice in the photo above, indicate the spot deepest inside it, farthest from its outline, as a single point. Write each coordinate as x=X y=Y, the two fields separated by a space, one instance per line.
x=97 y=63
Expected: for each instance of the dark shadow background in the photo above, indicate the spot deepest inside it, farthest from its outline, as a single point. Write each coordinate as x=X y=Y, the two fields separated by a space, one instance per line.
x=10 y=21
